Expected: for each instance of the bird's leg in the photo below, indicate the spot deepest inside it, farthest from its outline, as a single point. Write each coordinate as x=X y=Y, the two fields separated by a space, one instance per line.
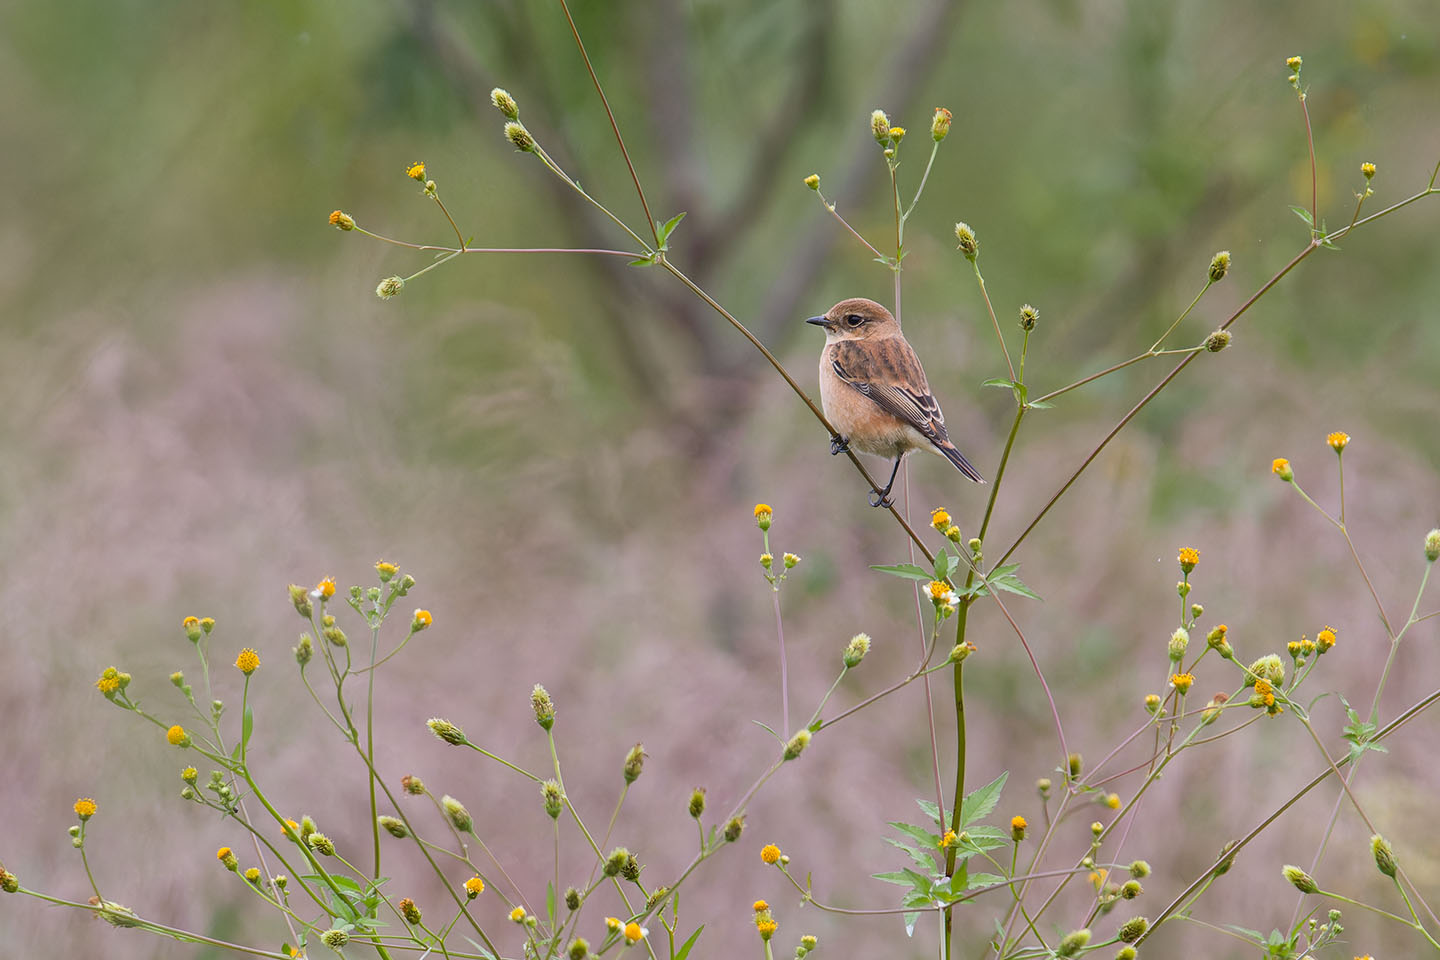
x=881 y=498
x=839 y=444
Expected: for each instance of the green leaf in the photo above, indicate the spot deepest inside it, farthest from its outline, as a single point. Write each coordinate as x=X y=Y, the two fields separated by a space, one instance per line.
x=346 y=884
x=979 y=803
x=1303 y=214
x=907 y=570
x=769 y=731
x=247 y=726
x=910 y=919
x=925 y=837
x=550 y=900
x=999 y=382
x=918 y=858
x=900 y=877
x=684 y=950
x=931 y=811
x=922 y=883
x=1039 y=404
x=978 y=880
x=663 y=229
x=1005 y=578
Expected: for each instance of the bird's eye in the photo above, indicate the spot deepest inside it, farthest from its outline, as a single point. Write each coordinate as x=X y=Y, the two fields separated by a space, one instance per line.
x=854 y=319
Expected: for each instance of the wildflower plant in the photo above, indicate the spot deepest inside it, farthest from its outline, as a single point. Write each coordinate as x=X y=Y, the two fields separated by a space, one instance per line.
x=963 y=851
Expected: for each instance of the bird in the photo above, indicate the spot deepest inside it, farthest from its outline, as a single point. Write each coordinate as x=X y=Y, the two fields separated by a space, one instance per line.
x=874 y=393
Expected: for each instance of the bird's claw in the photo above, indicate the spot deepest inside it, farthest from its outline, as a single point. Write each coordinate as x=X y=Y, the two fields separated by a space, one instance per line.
x=878 y=499
x=839 y=445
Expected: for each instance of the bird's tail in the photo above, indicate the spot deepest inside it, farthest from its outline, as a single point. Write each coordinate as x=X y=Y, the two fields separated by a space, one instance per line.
x=958 y=458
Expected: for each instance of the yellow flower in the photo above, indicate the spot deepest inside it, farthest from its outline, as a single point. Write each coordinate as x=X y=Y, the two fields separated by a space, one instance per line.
x=762 y=509
x=177 y=736
x=1017 y=828
x=227 y=857
x=253 y=874
x=474 y=887
x=766 y=928
x=518 y=915
x=1188 y=558
x=85 y=808
x=613 y=924
x=190 y=623
x=222 y=853
x=1293 y=63
x=761 y=905
x=897 y=134
x=1112 y=800
x=326 y=588
x=1182 y=681
x=416 y=171
x=1097 y=877
x=386 y=569
x=813 y=181
x=634 y=933
x=109 y=681
x=1281 y=468
x=248 y=661
x=940 y=518
x=948 y=840
x=1367 y=170
x=1325 y=639
x=342 y=220
x=1337 y=440
x=189 y=775
x=769 y=853
x=421 y=620
x=292 y=825
x=941 y=592
x=1152 y=702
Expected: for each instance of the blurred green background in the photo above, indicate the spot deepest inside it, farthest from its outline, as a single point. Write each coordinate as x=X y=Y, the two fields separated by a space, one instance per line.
x=204 y=401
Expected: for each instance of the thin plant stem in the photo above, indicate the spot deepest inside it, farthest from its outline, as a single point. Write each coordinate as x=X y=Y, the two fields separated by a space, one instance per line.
x=980 y=279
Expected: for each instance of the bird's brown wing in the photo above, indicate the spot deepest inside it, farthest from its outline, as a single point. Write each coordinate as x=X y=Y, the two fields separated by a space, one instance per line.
x=888 y=372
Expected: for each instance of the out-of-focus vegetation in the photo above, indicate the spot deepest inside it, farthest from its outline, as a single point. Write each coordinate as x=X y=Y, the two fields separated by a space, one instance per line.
x=204 y=399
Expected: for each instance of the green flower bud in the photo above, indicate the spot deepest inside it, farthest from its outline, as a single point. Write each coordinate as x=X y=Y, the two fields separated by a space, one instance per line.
x=1384 y=855
x=1133 y=929
x=1299 y=879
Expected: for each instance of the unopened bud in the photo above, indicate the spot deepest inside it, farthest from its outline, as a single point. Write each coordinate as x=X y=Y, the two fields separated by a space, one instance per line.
x=1219 y=266
x=697 y=802
x=1384 y=855
x=634 y=763
x=940 y=124
x=457 y=814
x=1299 y=879
x=969 y=245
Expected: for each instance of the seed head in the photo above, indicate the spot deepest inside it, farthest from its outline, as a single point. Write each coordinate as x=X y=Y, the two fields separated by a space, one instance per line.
x=697 y=802
x=543 y=706
x=409 y=911
x=1133 y=929
x=880 y=127
x=634 y=763
x=1299 y=879
x=572 y=899
x=797 y=744
x=342 y=220
x=516 y=133
x=615 y=862
x=505 y=103
x=1218 y=341
x=334 y=938
x=321 y=844
x=1384 y=855
x=1432 y=546
x=412 y=785
x=446 y=731
x=1029 y=316
x=393 y=826
x=1073 y=943
x=856 y=649
x=1219 y=266
x=1179 y=640
x=457 y=814
x=968 y=244
x=385 y=289
x=579 y=948
x=734 y=827
x=554 y=798
x=940 y=124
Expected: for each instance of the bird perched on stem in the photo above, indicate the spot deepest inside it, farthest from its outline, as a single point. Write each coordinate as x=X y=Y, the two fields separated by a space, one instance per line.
x=874 y=392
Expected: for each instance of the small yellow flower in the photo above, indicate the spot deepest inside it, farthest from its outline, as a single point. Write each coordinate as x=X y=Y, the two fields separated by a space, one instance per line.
x=109 y=681
x=1017 y=828
x=85 y=808
x=1325 y=639
x=952 y=533
x=766 y=928
x=613 y=924
x=386 y=569
x=226 y=856
x=518 y=915
x=342 y=220
x=248 y=661
x=941 y=593
x=416 y=171
x=769 y=853
x=421 y=621
x=940 y=124
x=763 y=515
x=1293 y=63
x=940 y=518
x=1188 y=558
x=1152 y=702
x=1097 y=877
x=1182 y=681
x=190 y=623
x=947 y=841
x=253 y=874
x=897 y=134
x=474 y=887
x=1338 y=440
x=634 y=933
x=1281 y=468
x=177 y=736
x=326 y=588
x=761 y=905
x=189 y=775
x=295 y=827
x=813 y=181
x=222 y=853
x=1367 y=170
x=1112 y=800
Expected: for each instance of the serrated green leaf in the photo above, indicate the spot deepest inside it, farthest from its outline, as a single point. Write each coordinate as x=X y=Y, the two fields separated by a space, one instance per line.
x=978 y=803
x=925 y=837
x=916 y=857
x=909 y=571
x=1005 y=578
x=663 y=229
x=932 y=811
x=900 y=877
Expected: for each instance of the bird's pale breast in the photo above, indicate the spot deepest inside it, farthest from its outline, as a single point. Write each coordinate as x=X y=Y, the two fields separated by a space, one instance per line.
x=861 y=420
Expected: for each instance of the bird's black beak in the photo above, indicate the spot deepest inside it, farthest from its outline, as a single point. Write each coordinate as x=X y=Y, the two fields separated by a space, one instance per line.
x=819 y=321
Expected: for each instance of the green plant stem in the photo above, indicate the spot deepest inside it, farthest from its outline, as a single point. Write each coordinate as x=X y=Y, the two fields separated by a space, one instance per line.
x=370 y=726
x=980 y=279
x=924 y=178
x=184 y=936
x=1416 y=925
x=1170 y=329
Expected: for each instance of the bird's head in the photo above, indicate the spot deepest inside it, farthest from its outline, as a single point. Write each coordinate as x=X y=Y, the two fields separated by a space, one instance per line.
x=857 y=319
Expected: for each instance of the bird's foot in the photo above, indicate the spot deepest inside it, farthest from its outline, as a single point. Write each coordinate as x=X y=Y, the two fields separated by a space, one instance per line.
x=839 y=444
x=880 y=499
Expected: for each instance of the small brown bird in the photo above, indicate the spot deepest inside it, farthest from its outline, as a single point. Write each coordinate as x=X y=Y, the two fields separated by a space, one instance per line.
x=874 y=392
